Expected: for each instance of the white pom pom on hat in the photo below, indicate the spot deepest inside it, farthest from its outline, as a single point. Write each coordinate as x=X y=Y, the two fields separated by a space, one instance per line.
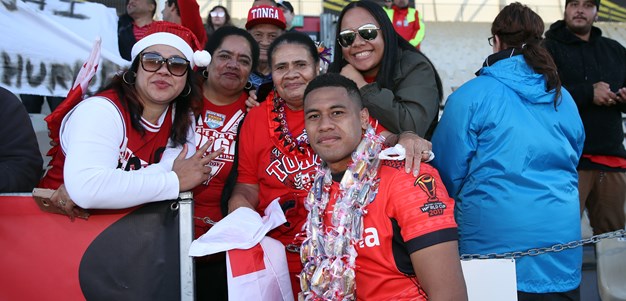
x=202 y=58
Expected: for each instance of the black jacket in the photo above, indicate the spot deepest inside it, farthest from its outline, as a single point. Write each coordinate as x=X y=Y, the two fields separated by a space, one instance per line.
x=580 y=65
x=125 y=36
x=21 y=163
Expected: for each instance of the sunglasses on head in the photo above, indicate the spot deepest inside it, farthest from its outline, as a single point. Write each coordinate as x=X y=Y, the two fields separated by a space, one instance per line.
x=220 y=14
x=152 y=61
x=367 y=32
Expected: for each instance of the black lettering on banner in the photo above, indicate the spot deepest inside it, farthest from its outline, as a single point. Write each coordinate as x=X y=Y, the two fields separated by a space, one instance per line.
x=42 y=3
x=10 y=5
x=61 y=74
x=35 y=80
x=53 y=76
x=11 y=70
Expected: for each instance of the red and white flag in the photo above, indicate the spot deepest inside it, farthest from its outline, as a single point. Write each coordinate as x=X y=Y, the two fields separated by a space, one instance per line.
x=74 y=96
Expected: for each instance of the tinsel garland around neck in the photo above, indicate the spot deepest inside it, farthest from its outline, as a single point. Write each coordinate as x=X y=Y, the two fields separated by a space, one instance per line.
x=280 y=134
x=328 y=252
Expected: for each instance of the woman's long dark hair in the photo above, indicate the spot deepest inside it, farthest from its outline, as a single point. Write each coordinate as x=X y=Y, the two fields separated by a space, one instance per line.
x=392 y=41
x=518 y=26
x=184 y=104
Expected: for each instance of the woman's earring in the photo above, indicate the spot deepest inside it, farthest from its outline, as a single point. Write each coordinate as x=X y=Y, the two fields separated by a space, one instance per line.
x=205 y=73
x=188 y=91
x=133 y=75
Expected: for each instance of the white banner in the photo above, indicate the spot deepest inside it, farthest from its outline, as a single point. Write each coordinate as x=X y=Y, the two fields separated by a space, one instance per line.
x=45 y=42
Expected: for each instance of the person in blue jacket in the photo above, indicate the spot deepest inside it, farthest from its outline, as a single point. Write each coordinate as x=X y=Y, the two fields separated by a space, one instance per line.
x=507 y=147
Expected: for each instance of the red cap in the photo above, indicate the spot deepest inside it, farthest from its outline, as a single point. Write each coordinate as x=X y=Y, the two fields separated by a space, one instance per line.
x=266 y=15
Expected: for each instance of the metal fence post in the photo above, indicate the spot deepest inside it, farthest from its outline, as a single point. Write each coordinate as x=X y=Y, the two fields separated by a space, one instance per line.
x=187 y=273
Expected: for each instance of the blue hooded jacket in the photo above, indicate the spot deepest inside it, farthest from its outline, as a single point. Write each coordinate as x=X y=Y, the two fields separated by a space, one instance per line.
x=509 y=158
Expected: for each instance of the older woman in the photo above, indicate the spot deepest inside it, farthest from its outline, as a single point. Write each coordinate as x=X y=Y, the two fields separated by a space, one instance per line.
x=126 y=145
x=235 y=54
x=275 y=159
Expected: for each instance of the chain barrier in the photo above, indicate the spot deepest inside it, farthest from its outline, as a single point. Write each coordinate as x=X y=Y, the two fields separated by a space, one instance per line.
x=206 y=220
x=555 y=248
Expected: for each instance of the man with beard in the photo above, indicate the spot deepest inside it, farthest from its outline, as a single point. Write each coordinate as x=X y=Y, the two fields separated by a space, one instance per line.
x=406 y=21
x=593 y=69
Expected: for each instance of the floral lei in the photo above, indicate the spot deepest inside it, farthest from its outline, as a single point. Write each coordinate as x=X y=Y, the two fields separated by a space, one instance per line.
x=328 y=252
x=281 y=135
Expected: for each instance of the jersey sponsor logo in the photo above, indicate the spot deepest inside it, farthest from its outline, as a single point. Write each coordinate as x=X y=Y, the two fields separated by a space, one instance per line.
x=370 y=238
x=213 y=119
x=292 y=171
x=224 y=137
x=433 y=205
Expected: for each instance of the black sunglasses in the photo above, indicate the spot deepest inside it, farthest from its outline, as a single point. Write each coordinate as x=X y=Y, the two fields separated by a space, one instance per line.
x=152 y=61
x=490 y=40
x=367 y=32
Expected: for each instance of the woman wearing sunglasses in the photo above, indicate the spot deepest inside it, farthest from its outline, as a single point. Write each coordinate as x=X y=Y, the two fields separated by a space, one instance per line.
x=218 y=17
x=399 y=85
x=127 y=145
x=235 y=54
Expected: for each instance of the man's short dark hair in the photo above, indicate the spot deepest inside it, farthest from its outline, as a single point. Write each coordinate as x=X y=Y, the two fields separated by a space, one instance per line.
x=285 y=4
x=335 y=80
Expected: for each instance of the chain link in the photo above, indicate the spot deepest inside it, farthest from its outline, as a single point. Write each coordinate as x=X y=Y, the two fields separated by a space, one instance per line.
x=206 y=220
x=555 y=248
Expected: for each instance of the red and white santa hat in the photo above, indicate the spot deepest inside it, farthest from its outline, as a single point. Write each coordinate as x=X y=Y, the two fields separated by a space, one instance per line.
x=174 y=35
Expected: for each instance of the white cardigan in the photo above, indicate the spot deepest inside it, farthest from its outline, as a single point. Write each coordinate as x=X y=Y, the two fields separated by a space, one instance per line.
x=91 y=135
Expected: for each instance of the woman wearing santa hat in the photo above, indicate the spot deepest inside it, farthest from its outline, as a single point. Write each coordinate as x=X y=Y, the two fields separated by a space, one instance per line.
x=132 y=143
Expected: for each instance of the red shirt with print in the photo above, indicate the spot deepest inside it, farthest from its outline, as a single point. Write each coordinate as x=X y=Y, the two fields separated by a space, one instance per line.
x=220 y=123
x=264 y=161
x=408 y=214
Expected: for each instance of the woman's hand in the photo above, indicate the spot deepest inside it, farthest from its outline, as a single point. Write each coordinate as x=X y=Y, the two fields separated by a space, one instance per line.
x=193 y=171
x=417 y=149
x=350 y=72
x=61 y=199
x=251 y=101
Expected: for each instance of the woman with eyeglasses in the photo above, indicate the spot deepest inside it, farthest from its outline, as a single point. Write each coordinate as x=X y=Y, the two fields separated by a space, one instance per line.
x=218 y=17
x=128 y=144
x=507 y=148
x=399 y=85
x=235 y=54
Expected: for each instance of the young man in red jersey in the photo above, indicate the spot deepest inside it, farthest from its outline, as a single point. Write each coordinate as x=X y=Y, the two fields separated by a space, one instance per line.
x=408 y=249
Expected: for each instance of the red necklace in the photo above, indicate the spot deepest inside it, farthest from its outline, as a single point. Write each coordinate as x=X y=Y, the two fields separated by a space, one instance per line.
x=281 y=135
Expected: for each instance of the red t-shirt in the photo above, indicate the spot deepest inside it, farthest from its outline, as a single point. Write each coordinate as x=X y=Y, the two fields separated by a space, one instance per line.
x=220 y=123
x=408 y=214
x=277 y=174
